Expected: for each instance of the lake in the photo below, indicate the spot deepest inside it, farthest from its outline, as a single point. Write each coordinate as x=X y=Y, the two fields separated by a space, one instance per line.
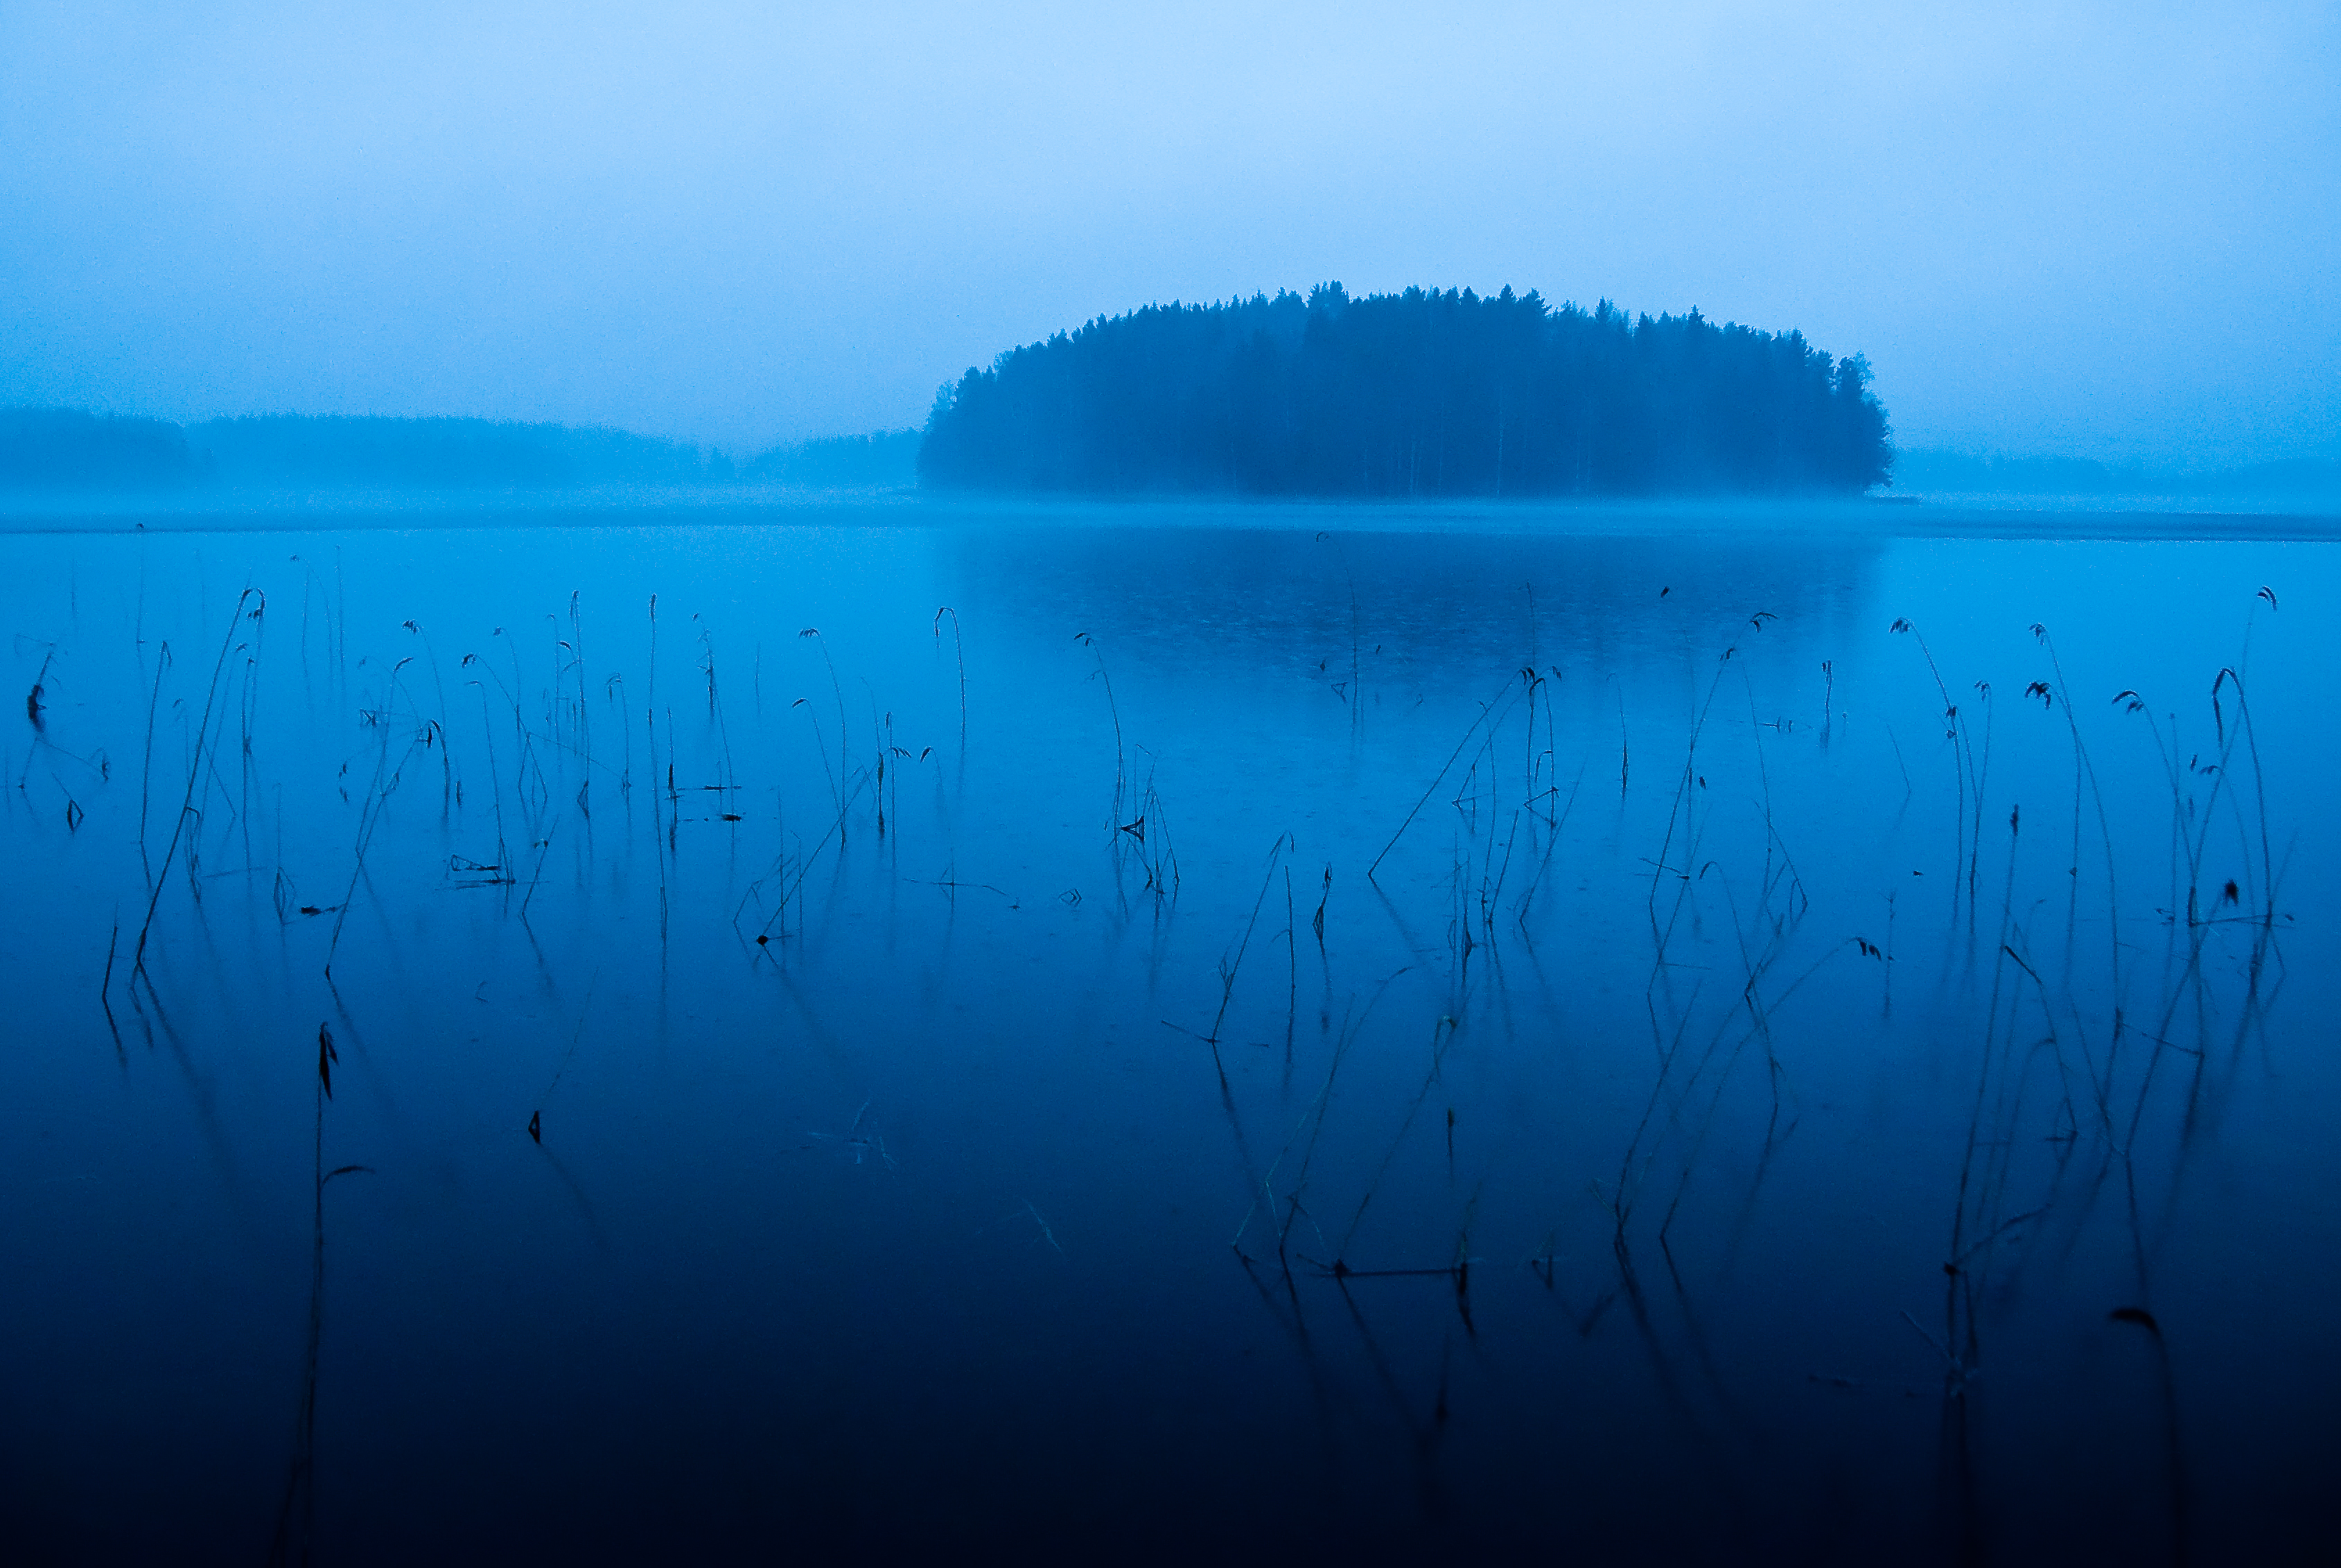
x=1163 y=1031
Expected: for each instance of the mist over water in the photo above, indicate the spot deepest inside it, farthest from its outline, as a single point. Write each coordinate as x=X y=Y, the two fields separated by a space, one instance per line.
x=1169 y=1030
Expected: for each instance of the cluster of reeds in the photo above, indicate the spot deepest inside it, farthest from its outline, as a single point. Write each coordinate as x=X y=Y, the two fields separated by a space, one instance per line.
x=2092 y=1067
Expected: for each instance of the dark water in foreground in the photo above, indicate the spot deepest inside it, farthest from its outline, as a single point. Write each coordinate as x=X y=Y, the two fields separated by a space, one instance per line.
x=1748 y=1110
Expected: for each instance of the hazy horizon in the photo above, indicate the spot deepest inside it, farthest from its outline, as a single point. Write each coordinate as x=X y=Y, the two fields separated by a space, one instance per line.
x=2079 y=231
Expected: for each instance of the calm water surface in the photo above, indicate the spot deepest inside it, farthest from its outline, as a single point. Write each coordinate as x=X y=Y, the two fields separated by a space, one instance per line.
x=1250 y=1032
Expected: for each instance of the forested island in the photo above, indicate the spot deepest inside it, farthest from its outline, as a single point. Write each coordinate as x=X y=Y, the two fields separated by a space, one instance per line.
x=1419 y=393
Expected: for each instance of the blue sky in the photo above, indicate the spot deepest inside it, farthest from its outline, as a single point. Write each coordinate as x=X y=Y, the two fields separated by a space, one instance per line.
x=2088 y=229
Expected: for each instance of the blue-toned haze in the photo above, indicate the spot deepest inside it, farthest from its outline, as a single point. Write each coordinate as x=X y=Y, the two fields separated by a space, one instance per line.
x=1377 y=926
x=2089 y=230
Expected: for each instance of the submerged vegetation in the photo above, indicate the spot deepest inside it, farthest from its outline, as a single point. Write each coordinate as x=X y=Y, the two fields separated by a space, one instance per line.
x=1419 y=393
x=1378 y=1049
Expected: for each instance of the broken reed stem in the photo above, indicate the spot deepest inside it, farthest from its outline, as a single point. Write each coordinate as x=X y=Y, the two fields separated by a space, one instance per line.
x=300 y=1482
x=1228 y=970
x=1963 y=767
x=1442 y=1034
x=1120 y=751
x=1625 y=750
x=614 y=688
x=495 y=784
x=1352 y=1025
x=804 y=868
x=369 y=818
x=1489 y=712
x=543 y=850
x=960 y=649
x=1292 y=965
x=195 y=776
x=2086 y=770
x=105 y=981
x=147 y=773
x=731 y=776
x=844 y=734
x=834 y=775
x=585 y=706
x=2260 y=783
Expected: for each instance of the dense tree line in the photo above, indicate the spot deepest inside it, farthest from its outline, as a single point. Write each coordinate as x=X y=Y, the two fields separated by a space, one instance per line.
x=1422 y=393
x=63 y=449
x=59 y=449
x=883 y=459
x=382 y=453
x=45 y=449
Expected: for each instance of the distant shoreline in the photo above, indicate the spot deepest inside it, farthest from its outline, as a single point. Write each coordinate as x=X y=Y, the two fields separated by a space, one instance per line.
x=709 y=507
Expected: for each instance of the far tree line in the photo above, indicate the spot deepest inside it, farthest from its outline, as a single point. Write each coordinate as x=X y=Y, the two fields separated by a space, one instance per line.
x=64 y=449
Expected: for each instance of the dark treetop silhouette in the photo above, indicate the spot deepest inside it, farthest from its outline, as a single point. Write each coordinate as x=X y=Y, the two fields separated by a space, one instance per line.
x=1418 y=393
